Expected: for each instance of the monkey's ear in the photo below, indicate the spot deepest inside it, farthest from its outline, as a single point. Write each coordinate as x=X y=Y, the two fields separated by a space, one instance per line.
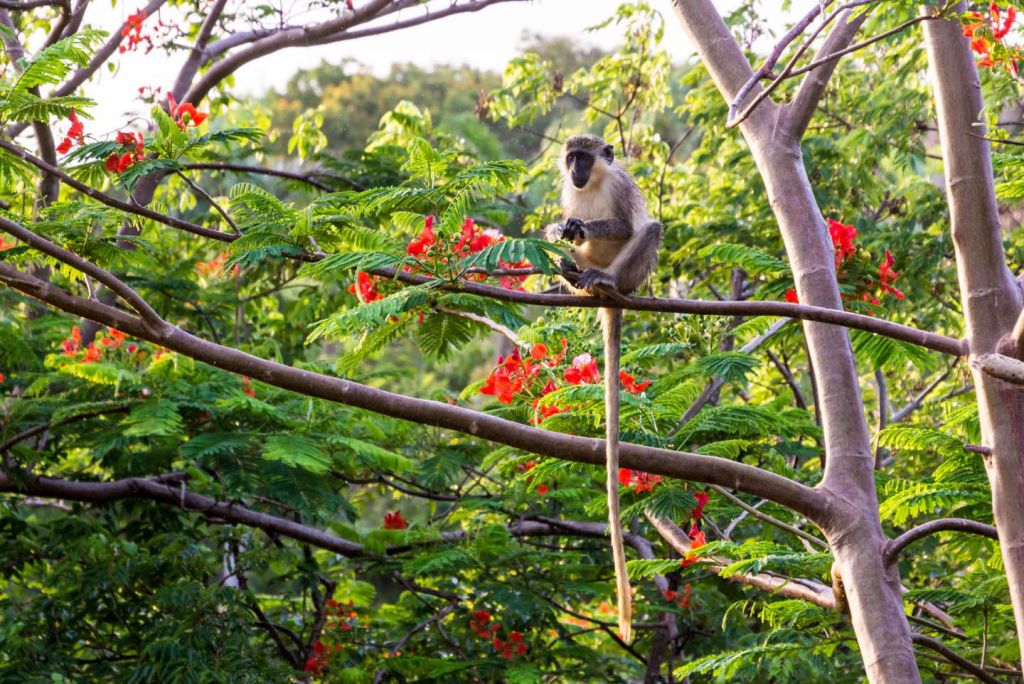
x=608 y=153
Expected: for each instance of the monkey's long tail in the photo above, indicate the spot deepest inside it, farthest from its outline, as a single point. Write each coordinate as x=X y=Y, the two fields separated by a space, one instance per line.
x=611 y=320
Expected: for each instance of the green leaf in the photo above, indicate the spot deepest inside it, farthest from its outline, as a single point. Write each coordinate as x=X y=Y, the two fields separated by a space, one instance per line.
x=296 y=451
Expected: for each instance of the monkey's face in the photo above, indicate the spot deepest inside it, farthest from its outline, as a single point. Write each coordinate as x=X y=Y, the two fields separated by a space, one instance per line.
x=583 y=165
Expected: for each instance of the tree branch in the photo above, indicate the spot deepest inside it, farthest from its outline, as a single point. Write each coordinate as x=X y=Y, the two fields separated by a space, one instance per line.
x=245 y=168
x=807 y=501
x=801 y=109
x=895 y=546
x=151 y=318
x=951 y=656
x=807 y=590
x=1000 y=366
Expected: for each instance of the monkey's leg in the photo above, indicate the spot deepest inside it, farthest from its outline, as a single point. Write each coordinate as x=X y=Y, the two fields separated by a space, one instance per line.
x=637 y=259
x=611 y=322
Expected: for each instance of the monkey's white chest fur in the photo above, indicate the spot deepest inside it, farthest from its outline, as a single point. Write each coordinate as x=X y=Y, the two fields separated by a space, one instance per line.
x=591 y=203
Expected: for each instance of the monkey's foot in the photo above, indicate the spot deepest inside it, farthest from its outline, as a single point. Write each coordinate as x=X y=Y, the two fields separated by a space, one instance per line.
x=593 y=277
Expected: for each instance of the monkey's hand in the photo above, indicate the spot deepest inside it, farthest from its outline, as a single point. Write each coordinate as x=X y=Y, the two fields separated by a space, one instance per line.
x=572 y=229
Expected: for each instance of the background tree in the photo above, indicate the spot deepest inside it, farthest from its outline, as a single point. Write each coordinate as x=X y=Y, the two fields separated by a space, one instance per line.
x=284 y=448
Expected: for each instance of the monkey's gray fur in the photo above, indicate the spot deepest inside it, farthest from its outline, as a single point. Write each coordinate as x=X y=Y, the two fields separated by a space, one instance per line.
x=615 y=248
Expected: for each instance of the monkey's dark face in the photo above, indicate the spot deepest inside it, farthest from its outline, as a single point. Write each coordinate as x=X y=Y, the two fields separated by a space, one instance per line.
x=580 y=163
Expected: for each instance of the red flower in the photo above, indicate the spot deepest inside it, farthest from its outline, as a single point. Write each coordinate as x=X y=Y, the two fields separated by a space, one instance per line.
x=842 y=239
x=999 y=31
x=478 y=623
x=132 y=30
x=697 y=540
x=509 y=377
x=542 y=489
x=214 y=267
x=887 y=275
x=395 y=521
x=424 y=242
x=179 y=111
x=75 y=133
x=1 y=377
x=364 y=288
x=92 y=353
x=702 y=500
x=641 y=481
x=538 y=351
x=791 y=296
x=6 y=245
x=247 y=387
x=583 y=371
x=549 y=410
x=631 y=385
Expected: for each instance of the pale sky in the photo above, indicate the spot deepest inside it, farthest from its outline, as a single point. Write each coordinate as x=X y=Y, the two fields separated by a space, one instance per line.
x=486 y=39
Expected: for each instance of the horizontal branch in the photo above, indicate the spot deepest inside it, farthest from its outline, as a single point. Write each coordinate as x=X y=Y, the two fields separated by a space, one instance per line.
x=104 y=198
x=894 y=546
x=43 y=427
x=953 y=657
x=259 y=170
x=688 y=466
x=804 y=589
x=174 y=493
x=1000 y=366
x=933 y=341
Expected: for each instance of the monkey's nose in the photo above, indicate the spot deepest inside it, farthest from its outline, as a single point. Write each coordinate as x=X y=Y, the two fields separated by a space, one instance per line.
x=579 y=181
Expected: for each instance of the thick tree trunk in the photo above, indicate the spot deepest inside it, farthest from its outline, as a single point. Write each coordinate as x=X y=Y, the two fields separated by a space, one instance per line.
x=853 y=527
x=989 y=294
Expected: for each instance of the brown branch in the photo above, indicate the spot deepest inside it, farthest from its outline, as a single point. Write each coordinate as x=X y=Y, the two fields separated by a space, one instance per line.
x=941 y=343
x=28 y=4
x=151 y=318
x=106 y=199
x=212 y=202
x=43 y=427
x=198 y=55
x=245 y=168
x=953 y=657
x=174 y=494
x=752 y=480
x=1000 y=366
x=809 y=94
x=895 y=546
x=807 y=590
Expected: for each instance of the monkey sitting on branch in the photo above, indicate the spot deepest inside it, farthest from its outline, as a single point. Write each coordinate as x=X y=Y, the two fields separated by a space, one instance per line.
x=614 y=250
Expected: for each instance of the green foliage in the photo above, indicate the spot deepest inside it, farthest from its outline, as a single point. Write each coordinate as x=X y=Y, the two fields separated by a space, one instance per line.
x=450 y=527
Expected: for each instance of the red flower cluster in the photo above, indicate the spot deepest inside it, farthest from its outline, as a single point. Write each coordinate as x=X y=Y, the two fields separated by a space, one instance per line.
x=842 y=240
x=214 y=267
x=582 y=371
x=887 y=276
x=514 y=645
x=509 y=377
x=132 y=30
x=791 y=296
x=993 y=30
x=682 y=598
x=364 y=288
x=481 y=625
x=339 y=618
x=421 y=245
x=75 y=134
x=638 y=479
x=71 y=344
x=471 y=240
x=697 y=540
x=543 y=412
x=395 y=521
x=6 y=245
x=630 y=384
x=247 y=387
x=131 y=152
x=1 y=378
x=697 y=537
x=178 y=112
